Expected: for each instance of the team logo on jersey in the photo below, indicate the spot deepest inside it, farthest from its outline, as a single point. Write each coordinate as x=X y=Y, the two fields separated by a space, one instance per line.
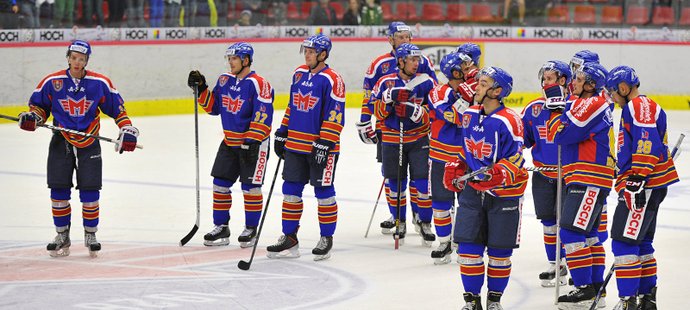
x=466 y=118
x=479 y=149
x=57 y=85
x=232 y=105
x=390 y=84
x=304 y=102
x=298 y=76
x=544 y=133
x=222 y=80
x=75 y=108
x=385 y=66
x=536 y=110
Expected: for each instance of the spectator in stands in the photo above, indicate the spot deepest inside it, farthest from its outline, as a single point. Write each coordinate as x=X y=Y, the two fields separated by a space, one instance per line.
x=205 y=9
x=245 y=18
x=28 y=12
x=8 y=14
x=156 y=9
x=172 y=13
x=258 y=9
x=116 y=11
x=521 y=10
x=63 y=9
x=279 y=8
x=222 y=7
x=90 y=7
x=372 y=14
x=322 y=14
x=190 y=9
x=135 y=13
x=352 y=17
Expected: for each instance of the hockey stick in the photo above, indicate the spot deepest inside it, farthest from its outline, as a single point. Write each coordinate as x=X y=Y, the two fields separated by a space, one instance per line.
x=67 y=130
x=419 y=79
x=244 y=265
x=396 y=235
x=559 y=189
x=375 y=205
x=675 y=152
x=196 y=153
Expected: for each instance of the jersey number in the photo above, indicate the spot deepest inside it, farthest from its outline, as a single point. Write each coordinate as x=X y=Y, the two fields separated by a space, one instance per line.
x=336 y=117
x=644 y=147
x=260 y=117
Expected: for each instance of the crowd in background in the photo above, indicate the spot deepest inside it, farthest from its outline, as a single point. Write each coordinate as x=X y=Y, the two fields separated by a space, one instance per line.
x=204 y=13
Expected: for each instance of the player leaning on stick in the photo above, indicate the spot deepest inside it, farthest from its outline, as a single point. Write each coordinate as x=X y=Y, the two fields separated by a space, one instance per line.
x=244 y=101
x=76 y=97
x=646 y=169
x=489 y=209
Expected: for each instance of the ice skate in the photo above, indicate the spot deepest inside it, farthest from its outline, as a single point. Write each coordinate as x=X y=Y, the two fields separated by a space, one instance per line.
x=60 y=245
x=90 y=241
x=548 y=277
x=428 y=236
x=248 y=237
x=472 y=302
x=388 y=226
x=401 y=234
x=648 y=301
x=322 y=250
x=441 y=255
x=602 y=299
x=579 y=298
x=493 y=301
x=220 y=235
x=627 y=303
x=417 y=223
x=286 y=247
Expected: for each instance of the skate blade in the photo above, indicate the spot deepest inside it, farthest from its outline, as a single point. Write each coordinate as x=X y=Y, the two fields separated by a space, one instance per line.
x=248 y=244
x=552 y=282
x=602 y=302
x=387 y=231
x=427 y=243
x=417 y=228
x=93 y=254
x=59 y=253
x=575 y=305
x=289 y=253
x=219 y=242
x=322 y=257
x=442 y=260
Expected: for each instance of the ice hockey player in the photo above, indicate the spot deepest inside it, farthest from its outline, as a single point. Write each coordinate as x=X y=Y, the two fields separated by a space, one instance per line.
x=76 y=97
x=583 y=131
x=489 y=209
x=309 y=141
x=470 y=69
x=646 y=169
x=394 y=104
x=554 y=78
x=578 y=60
x=244 y=101
x=398 y=33
x=447 y=102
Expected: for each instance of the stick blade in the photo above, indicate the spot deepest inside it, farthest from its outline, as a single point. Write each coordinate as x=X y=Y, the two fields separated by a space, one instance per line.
x=189 y=236
x=243 y=265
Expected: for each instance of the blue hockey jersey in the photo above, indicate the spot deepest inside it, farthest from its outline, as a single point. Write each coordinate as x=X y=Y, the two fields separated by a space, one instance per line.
x=540 y=134
x=446 y=141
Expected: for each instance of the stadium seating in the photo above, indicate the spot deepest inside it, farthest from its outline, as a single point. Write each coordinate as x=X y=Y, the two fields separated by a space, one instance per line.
x=684 y=17
x=433 y=12
x=637 y=15
x=612 y=14
x=663 y=15
x=387 y=8
x=457 y=13
x=406 y=11
x=559 y=14
x=585 y=14
x=481 y=13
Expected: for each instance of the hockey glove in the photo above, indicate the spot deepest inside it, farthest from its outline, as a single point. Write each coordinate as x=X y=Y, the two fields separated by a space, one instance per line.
x=29 y=120
x=197 y=79
x=471 y=75
x=635 y=198
x=492 y=178
x=452 y=171
x=396 y=94
x=279 y=144
x=127 y=140
x=555 y=97
x=466 y=97
x=249 y=153
x=409 y=110
x=366 y=133
x=319 y=152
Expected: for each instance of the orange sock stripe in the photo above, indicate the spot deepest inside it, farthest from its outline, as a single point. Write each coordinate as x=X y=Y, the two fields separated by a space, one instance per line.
x=221 y=201
x=445 y=221
x=424 y=203
x=292 y=211
x=628 y=273
x=498 y=272
x=328 y=214
x=253 y=202
x=649 y=268
x=414 y=195
x=472 y=270
x=394 y=201
x=90 y=212
x=579 y=259
x=549 y=239
x=62 y=211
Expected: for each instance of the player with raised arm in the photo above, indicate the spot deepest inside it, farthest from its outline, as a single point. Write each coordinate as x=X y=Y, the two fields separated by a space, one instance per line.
x=583 y=131
x=75 y=97
x=489 y=209
x=384 y=64
x=244 y=101
x=396 y=104
x=646 y=169
x=554 y=78
x=309 y=141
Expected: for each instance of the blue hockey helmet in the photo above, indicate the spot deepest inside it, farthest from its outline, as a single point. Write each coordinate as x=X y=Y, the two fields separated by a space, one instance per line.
x=621 y=74
x=80 y=46
x=582 y=57
x=559 y=67
x=594 y=73
x=318 y=42
x=407 y=49
x=398 y=27
x=240 y=49
x=501 y=79
x=472 y=50
x=452 y=62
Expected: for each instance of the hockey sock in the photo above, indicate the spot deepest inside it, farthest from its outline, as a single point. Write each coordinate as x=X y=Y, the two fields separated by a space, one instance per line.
x=578 y=256
x=598 y=262
x=292 y=206
x=442 y=220
x=222 y=201
x=628 y=268
x=603 y=232
x=423 y=202
x=471 y=266
x=253 y=204
x=498 y=272
x=550 y=239
x=393 y=196
x=328 y=209
x=90 y=209
x=62 y=212
x=414 y=198
x=648 y=265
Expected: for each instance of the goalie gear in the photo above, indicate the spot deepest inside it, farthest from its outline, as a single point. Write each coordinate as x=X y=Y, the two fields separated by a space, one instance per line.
x=366 y=133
